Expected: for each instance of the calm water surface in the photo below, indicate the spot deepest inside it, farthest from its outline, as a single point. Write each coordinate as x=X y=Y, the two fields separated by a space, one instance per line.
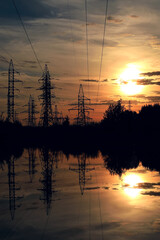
x=46 y=195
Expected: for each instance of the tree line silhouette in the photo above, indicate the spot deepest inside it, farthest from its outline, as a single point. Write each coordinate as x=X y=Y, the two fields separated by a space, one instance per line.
x=118 y=127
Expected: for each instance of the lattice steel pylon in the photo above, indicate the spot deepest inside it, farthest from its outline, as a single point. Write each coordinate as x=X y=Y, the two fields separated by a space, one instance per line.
x=83 y=110
x=82 y=169
x=31 y=112
x=57 y=116
x=129 y=105
x=10 y=96
x=46 y=96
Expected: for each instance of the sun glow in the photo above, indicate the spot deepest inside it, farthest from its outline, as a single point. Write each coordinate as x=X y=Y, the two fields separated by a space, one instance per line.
x=128 y=80
x=131 y=182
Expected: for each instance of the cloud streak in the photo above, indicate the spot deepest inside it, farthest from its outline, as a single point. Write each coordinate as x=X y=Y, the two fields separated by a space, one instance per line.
x=150 y=74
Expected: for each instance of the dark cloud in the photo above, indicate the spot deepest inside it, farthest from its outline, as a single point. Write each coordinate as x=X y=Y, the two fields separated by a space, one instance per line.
x=156 y=92
x=146 y=185
x=28 y=87
x=93 y=80
x=149 y=99
x=30 y=62
x=4 y=74
x=139 y=96
x=154 y=99
x=108 y=43
x=134 y=16
x=92 y=188
x=108 y=225
x=105 y=102
x=17 y=80
x=150 y=74
x=105 y=80
x=152 y=193
x=106 y=188
x=28 y=10
x=140 y=171
x=3 y=87
x=59 y=88
x=115 y=189
x=3 y=59
x=114 y=20
x=89 y=80
x=147 y=82
x=126 y=102
x=144 y=81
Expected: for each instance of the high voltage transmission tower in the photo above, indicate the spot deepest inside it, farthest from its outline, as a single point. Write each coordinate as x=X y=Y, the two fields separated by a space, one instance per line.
x=46 y=96
x=82 y=169
x=10 y=103
x=83 y=110
x=57 y=116
x=31 y=112
x=129 y=105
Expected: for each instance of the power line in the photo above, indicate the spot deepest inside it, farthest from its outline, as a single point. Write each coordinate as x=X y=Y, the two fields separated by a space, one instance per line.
x=72 y=37
x=29 y=40
x=86 y=17
x=103 y=40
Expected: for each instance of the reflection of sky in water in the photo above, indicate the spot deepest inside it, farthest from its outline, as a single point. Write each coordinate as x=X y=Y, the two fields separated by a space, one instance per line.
x=84 y=200
x=131 y=182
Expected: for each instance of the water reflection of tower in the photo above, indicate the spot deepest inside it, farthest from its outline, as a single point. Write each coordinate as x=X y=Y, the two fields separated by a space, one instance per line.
x=31 y=163
x=12 y=187
x=82 y=169
x=47 y=172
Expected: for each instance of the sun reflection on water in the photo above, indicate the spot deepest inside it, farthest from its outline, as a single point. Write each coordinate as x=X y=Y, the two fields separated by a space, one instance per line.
x=130 y=182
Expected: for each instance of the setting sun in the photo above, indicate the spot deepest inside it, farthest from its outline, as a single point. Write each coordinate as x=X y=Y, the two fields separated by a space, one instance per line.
x=128 y=78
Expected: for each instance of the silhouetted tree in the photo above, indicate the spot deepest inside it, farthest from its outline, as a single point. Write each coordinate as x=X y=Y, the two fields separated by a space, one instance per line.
x=66 y=121
x=113 y=113
x=150 y=115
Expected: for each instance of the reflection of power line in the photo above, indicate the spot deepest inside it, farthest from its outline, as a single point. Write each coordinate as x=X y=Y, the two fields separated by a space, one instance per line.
x=12 y=187
x=82 y=169
x=83 y=110
x=47 y=171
